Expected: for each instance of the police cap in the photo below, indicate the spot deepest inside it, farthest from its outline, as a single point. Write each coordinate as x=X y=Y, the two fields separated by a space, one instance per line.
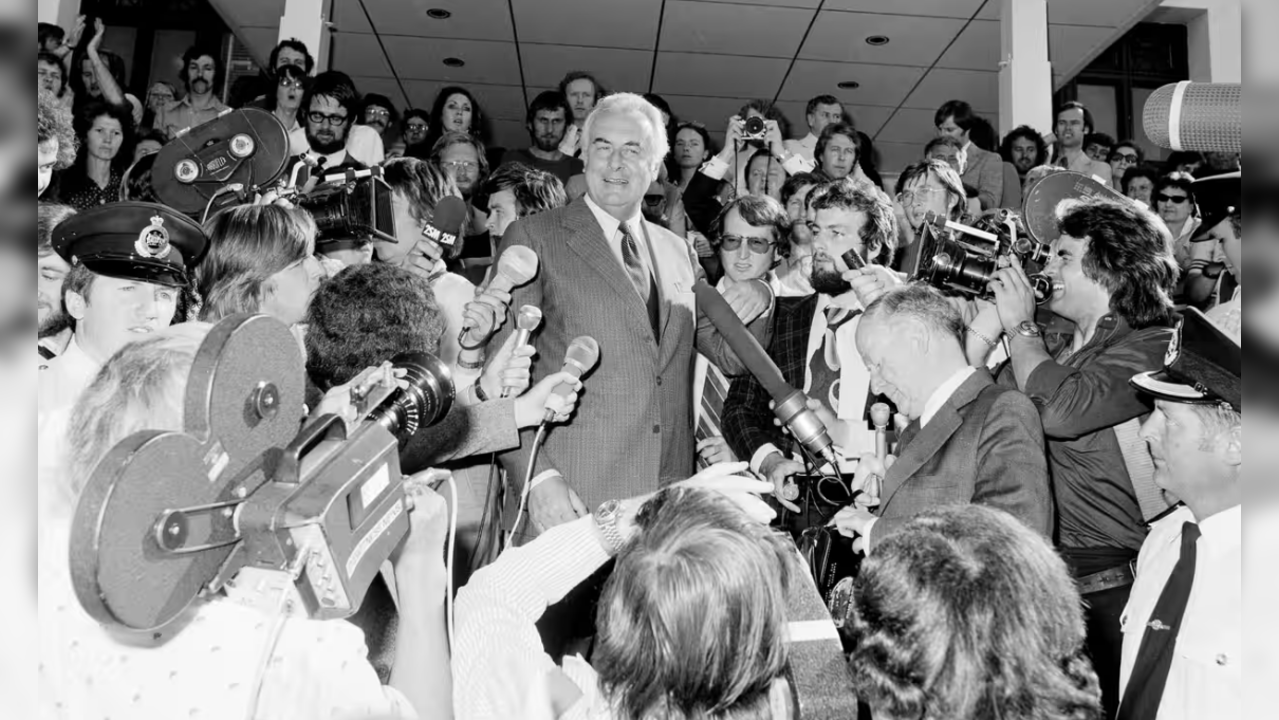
x=134 y=241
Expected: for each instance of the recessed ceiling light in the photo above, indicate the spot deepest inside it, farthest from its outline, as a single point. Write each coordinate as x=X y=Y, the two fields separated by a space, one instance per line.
x=454 y=62
x=877 y=40
x=849 y=85
x=439 y=14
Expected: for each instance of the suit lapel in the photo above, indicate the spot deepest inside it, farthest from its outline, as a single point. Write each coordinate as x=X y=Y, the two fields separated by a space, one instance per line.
x=586 y=238
x=932 y=437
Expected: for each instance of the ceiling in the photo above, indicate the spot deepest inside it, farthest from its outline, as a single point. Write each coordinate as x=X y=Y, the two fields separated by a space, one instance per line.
x=705 y=57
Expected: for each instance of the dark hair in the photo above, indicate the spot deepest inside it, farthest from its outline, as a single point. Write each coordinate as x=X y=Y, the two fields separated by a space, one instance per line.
x=135 y=186
x=365 y=315
x=115 y=67
x=660 y=103
x=414 y=113
x=940 y=141
x=983 y=134
x=53 y=122
x=831 y=131
x=479 y=123
x=965 y=613
x=1132 y=144
x=880 y=226
x=337 y=86
x=1129 y=253
x=49 y=215
x=1179 y=180
x=1182 y=157
x=796 y=182
x=757 y=211
x=692 y=622
x=575 y=75
x=1029 y=133
x=1089 y=127
x=122 y=114
x=548 y=101
x=195 y=52
x=1138 y=171
x=48 y=31
x=1099 y=138
x=700 y=129
x=292 y=44
x=945 y=174
x=961 y=111
x=769 y=111
x=54 y=60
x=382 y=101
x=535 y=191
x=822 y=100
x=292 y=72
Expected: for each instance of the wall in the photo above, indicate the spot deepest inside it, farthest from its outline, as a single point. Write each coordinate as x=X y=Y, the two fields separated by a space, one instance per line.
x=1214 y=28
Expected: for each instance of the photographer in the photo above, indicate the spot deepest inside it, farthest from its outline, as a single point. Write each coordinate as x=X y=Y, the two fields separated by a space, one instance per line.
x=929 y=186
x=691 y=622
x=1112 y=271
x=222 y=660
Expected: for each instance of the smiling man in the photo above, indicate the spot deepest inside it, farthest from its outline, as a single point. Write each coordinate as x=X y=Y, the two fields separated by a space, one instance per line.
x=128 y=265
x=202 y=76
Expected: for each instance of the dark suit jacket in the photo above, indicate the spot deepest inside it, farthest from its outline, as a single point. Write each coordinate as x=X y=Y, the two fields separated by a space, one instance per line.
x=633 y=429
x=746 y=421
x=985 y=445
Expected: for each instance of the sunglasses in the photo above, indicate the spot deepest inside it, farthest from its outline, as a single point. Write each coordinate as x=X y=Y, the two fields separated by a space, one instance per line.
x=1126 y=157
x=653 y=199
x=1174 y=199
x=759 y=246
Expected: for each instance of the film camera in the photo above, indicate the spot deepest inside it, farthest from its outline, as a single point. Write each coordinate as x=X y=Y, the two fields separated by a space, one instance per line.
x=351 y=207
x=241 y=499
x=964 y=258
x=754 y=128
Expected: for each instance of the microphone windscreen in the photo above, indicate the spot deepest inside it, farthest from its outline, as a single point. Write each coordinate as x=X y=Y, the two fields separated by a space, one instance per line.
x=518 y=264
x=529 y=318
x=1200 y=117
x=447 y=219
x=741 y=341
x=582 y=354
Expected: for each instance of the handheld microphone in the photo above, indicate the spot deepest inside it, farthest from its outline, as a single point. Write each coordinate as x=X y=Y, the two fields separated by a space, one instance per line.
x=789 y=404
x=879 y=415
x=516 y=266
x=1202 y=117
x=445 y=226
x=582 y=355
x=527 y=321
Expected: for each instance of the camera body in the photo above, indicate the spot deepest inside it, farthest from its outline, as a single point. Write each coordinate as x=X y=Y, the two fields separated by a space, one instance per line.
x=964 y=258
x=351 y=205
x=754 y=128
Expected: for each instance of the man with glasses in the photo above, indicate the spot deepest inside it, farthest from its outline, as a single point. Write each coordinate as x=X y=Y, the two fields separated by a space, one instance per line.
x=380 y=114
x=929 y=186
x=1124 y=155
x=413 y=130
x=330 y=107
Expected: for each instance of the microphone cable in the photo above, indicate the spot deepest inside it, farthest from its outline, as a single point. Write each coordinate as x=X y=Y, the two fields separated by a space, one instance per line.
x=528 y=478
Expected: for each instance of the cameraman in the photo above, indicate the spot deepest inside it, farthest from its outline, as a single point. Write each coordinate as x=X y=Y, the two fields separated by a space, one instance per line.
x=928 y=186
x=1113 y=272
x=222 y=662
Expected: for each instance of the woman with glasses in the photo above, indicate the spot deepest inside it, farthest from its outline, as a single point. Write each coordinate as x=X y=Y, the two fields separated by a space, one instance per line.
x=1124 y=155
x=1175 y=202
x=284 y=103
x=929 y=186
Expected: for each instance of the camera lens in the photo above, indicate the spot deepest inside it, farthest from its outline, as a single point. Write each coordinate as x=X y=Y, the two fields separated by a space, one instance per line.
x=427 y=398
x=754 y=125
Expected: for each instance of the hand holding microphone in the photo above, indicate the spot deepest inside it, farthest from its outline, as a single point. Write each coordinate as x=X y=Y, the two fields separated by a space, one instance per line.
x=516 y=266
x=582 y=355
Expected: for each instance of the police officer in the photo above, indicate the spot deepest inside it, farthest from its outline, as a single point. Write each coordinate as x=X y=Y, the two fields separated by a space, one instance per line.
x=129 y=263
x=1182 y=626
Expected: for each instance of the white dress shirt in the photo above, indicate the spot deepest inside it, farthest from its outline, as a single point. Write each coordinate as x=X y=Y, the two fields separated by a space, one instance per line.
x=611 y=227
x=805 y=147
x=1206 y=677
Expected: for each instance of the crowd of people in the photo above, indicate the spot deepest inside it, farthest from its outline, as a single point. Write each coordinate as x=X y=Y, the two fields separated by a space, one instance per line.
x=1030 y=536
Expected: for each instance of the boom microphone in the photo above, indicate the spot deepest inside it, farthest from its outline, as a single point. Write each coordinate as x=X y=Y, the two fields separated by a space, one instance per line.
x=582 y=355
x=789 y=404
x=1201 y=117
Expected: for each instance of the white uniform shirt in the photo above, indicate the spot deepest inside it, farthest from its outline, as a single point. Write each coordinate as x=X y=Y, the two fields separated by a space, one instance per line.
x=63 y=378
x=1206 y=677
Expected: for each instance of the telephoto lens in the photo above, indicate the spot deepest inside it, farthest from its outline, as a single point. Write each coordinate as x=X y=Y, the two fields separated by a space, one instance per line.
x=427 y=398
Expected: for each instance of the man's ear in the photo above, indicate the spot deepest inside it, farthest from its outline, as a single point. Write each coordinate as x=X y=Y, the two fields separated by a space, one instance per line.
x=1230 y=446
x=76 y=304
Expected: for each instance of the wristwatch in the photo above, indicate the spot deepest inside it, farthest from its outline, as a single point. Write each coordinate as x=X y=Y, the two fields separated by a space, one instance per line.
x=606 y=518
x=1028 y=328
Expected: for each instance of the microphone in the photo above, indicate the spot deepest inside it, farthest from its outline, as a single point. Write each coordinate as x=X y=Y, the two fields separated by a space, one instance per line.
x=1202 y=117
x=527 y=321
x=789 y=404
x=582 y=355
x=446 y=221
x=516 y=266
x=879 y=415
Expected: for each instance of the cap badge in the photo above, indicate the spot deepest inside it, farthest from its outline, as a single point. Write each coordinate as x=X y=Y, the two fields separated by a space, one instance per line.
x=153 y=241
x=1174 y=345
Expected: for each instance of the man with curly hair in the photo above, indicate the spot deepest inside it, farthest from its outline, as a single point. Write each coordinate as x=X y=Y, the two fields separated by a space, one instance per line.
x=55 y=141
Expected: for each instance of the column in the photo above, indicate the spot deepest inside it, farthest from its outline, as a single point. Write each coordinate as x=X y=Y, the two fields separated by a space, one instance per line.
x=1025 y=74
x=59 y=12
x=1213 y=39
x=305 y=20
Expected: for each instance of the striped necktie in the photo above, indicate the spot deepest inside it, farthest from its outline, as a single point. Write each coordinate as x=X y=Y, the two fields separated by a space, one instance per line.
x=640 y=277
x=714 y=390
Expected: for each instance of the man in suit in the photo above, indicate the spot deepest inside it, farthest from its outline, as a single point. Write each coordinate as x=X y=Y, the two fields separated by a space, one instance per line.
x=979 y=168
x=812 y=337
x=969 y=440
x=607 y=273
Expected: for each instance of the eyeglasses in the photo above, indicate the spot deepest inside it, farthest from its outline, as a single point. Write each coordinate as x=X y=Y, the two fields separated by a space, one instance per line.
x=456 y=165
x=1174 y=199
x=922 y=195
x=290 y=83
x=321 y=118
x=415 y=127
x=376 y=112
x=759 y=246
x=653 y=199
x=1125 y=157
